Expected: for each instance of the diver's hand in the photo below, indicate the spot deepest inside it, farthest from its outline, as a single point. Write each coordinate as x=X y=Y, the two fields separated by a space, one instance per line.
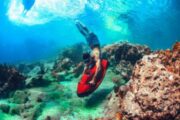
x=85 y=69
x=92 y=82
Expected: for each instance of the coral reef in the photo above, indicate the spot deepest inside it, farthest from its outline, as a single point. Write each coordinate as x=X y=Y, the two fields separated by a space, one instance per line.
x=124 y=51
x=153 y=91
x=70 y=57
x=38 y=74
x=122 y=57
x=29 y=103
x=69 y=62
x=10 y=80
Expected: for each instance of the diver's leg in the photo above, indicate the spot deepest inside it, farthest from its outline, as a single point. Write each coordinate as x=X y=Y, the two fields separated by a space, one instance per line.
x=91 y=38
x=82 y=28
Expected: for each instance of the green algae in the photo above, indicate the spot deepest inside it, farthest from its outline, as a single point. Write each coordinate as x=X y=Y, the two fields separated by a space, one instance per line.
x=59 y=101
x=9 y=117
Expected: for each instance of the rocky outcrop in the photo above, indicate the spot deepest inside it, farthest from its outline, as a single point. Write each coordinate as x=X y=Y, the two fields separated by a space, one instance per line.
x=124 y=51
x=36 y=77
x=38 y=74
x=10 y=80
x=123 y=56
x=153 y=93
x=30 y=103
x=70 y=57
x=69 y=62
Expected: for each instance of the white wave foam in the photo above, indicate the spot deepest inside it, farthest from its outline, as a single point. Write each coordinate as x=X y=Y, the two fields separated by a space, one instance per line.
x=44 y=11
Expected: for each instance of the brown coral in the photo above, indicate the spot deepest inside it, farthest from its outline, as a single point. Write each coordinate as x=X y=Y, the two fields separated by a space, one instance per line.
x=171 y=58
x=10 y=80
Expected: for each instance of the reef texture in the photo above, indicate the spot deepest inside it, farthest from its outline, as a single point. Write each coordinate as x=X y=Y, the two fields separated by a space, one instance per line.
x=122 y=58
x=153 y=92
x=10 y=80
x=70 y=57
x=38 y=74
x=69 y=62
x=124 y=51
x=29 y=103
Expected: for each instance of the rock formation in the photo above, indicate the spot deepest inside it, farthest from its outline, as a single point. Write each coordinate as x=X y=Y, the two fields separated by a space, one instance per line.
x=69 y=62
x=123 y=56
x=153 y=93
x=10 y=80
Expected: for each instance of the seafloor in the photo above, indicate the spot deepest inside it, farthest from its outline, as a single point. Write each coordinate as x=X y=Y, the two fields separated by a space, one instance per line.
x=140 y=84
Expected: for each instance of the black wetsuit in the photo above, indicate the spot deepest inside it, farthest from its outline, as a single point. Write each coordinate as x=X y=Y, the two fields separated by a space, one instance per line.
x=92 y=40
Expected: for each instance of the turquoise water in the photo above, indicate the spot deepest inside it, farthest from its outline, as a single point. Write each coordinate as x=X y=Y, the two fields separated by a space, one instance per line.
x=34 y=32
x=38 y=29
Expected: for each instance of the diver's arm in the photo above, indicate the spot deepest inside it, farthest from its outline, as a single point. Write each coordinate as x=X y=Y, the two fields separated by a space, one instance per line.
x=98 y=68
x=85 y=69
x=97 y=54
x=83 y=29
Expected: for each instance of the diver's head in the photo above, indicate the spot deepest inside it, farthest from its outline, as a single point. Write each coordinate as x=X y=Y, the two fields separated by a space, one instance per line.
x=86 y=58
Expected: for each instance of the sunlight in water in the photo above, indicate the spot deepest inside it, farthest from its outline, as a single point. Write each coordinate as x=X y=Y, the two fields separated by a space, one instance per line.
x=43 y=11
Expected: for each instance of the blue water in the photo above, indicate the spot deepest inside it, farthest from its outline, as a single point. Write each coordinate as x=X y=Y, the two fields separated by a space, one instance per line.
x=38 y=29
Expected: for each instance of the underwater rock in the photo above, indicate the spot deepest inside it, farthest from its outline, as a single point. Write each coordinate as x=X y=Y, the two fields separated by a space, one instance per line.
x=70 y=61
x=74 y=53
x=40 y=75
x=15 y=110
x=64 y=64
x=10 y=80
x=4 y=108
x=30 y=103
x=37 y=81
x=78 y=69
x=124 y=51
x=124 y=69
x=28 y=112
x=154 y=89
x=20 y=97
x=26 y=68
x=122 y=57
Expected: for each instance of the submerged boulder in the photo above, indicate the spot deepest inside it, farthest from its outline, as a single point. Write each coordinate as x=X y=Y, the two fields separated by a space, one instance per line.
x=70 y=61
x=30 y=104
x=10 y=80
x=74 y=53
x=38 y=74
x=123 y=56
x=154 y=89
x=124 y=51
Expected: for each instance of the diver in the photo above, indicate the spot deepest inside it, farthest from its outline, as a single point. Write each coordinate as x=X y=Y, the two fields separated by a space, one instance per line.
x=94 y=58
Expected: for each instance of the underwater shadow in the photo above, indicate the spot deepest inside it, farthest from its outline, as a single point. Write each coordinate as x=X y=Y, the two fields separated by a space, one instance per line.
x=97 y=97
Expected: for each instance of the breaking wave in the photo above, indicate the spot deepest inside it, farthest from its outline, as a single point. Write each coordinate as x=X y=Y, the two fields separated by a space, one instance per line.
x=43 y=11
